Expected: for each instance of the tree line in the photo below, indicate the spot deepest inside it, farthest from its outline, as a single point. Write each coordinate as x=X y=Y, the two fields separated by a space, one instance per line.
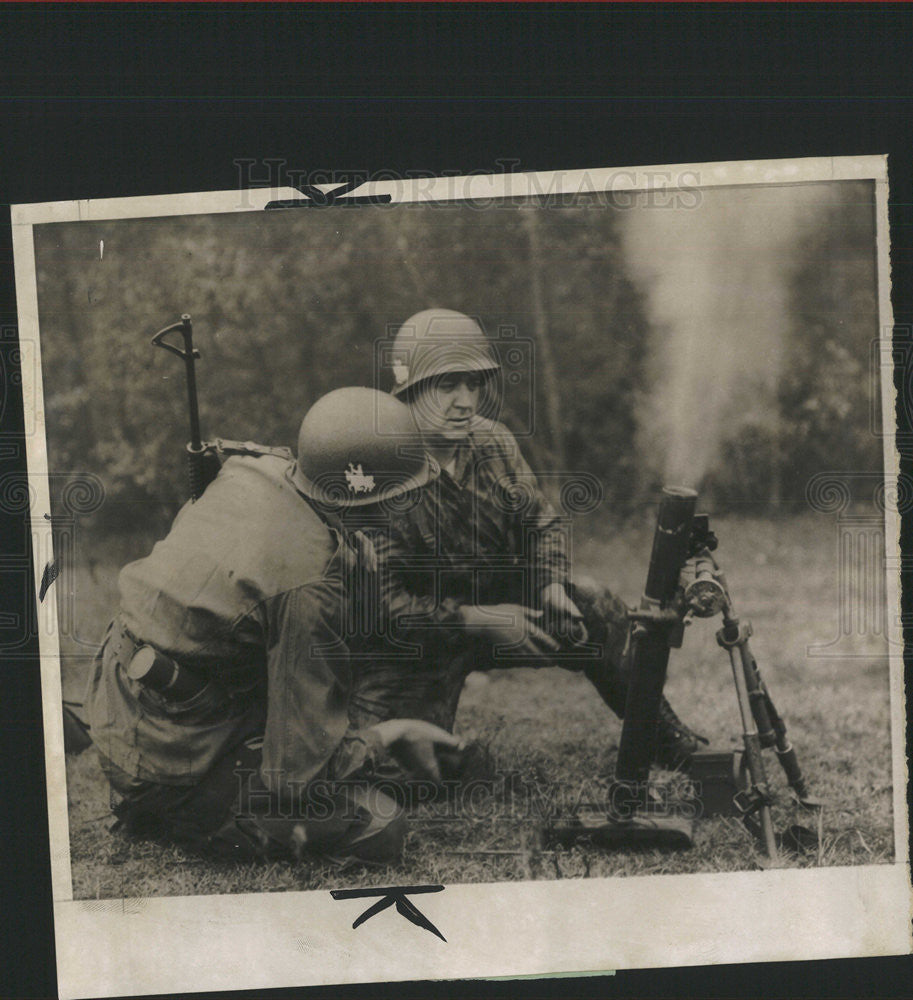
x=289 y=305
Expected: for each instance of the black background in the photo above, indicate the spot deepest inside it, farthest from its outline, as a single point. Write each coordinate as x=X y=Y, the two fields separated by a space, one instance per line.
x=121 y=100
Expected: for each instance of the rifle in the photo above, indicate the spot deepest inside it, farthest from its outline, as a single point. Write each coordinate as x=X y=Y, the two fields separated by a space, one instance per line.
x=204 y=458
x=202 y=463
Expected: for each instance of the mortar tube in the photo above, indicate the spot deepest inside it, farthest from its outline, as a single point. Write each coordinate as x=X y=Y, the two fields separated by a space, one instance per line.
x=639 y=737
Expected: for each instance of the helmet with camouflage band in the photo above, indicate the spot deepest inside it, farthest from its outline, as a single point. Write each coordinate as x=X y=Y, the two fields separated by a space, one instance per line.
x=358 y=446
x=437 y=341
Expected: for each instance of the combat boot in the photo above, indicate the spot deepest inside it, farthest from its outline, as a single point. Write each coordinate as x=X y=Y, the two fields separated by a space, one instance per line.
x=675 y=741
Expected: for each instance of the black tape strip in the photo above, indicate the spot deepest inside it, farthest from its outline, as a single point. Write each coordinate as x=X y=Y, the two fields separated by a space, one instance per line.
x=50 y=574
x=314 y=197
x=390 y=896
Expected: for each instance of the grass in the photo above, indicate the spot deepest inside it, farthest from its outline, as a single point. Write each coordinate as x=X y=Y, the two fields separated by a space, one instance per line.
x=550 y=728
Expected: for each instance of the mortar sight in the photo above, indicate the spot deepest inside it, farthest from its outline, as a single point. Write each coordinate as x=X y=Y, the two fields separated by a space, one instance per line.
x=705 y=596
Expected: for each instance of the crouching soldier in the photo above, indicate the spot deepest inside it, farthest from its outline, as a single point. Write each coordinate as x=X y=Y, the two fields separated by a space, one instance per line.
x=480 y=564
x=219 y=700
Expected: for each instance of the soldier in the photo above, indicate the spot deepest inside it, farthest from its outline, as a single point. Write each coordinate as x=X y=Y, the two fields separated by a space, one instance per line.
x=218 y=701
x=481 y=562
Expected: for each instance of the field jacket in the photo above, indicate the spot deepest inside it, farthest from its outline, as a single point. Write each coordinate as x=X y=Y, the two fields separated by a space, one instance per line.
x=244 y=591
x=484 y=533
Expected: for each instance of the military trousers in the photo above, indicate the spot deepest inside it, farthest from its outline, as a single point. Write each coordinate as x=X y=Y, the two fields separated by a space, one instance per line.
x=427 y=684
x=230 y=814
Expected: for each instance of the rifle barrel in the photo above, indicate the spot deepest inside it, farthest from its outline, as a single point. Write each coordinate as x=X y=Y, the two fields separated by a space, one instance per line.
x=190 y=356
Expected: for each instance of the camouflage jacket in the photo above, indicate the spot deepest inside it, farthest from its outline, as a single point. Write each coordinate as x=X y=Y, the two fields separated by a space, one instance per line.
x=484 y=533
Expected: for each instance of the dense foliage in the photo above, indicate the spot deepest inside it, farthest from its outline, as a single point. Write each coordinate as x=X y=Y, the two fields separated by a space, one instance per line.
x=288 y=305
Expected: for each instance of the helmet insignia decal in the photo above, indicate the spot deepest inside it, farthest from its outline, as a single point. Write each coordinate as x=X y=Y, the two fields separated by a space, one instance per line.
x=400 y=372
x=358 y=481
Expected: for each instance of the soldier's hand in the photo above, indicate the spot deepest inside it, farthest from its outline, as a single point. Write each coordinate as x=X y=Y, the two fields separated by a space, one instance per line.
x=513 y=625
x=562 y=618
x=357 y=554
x=415 y=745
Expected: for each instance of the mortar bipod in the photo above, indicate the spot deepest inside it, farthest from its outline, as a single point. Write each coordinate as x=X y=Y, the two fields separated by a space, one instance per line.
x=756 y=797
x=762 y=728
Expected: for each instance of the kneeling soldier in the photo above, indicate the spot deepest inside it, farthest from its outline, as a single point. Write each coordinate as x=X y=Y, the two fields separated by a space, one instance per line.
x=481 y=562
x=219 y=700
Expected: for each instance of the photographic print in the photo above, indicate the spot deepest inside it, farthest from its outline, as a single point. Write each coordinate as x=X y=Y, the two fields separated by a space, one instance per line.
x=506 y=566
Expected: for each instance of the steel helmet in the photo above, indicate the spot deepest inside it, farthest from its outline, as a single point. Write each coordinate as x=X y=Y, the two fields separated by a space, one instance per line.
x=436 y=341
x=358 y=446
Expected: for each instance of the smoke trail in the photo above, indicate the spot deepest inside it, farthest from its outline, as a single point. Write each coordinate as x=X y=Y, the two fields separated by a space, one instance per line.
x=716 y=280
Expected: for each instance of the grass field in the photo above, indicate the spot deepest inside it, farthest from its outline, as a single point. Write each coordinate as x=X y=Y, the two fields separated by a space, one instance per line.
x=551 y=728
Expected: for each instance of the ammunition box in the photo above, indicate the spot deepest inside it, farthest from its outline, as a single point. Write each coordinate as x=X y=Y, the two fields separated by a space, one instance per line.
x=716 y=777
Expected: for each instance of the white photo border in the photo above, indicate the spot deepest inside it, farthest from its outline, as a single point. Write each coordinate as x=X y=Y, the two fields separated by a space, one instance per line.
x=155 y=946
